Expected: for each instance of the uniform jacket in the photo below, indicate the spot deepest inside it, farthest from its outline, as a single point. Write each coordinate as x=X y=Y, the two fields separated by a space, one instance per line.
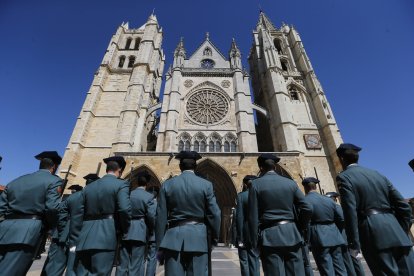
x=107 y=195
x=142 y=205
x=271 y=198
x=151 y=233
x=32 y=194
x=70 y=211
x=242 y=226
x=323 y=234
x=362 y=189
x=187 y=196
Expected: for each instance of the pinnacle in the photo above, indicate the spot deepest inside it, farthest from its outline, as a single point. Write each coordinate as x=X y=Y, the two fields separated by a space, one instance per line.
x=264 y=22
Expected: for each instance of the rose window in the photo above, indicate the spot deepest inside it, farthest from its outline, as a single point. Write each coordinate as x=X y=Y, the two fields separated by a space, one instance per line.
x=207 y=107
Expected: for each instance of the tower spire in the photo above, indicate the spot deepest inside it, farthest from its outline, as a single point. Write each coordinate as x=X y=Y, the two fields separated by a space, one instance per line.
x=265 y=23
x=179 y=53
x=235 y=55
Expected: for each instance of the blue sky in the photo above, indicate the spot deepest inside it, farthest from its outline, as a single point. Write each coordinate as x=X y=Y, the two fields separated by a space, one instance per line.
x=362 y=52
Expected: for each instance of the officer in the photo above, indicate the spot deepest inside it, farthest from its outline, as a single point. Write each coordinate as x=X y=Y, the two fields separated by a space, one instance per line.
x=352 y=263
x=376 y=215
x=29 y=204
x=325 y=237
x=57 y=256
x=133 y=245
x=186 y=208
x=151 y=257
x=106 y=209
x=272 y=199
x=249 y=261
x=69 y=212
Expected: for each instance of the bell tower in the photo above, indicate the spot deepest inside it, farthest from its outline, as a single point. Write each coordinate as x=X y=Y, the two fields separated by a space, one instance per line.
x=299 y=117
x=116 y=115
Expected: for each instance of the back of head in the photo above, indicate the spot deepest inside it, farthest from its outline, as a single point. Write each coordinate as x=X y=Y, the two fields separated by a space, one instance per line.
x=269 y=165
x=310 y=184
x=188 y=164
x=46 y=164
x=348 y=153
x=112 y=166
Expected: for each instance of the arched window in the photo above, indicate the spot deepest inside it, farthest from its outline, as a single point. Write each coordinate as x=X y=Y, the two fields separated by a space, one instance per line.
x=187 y=145
x=218 y=146
x=294 y=95
x=233 y=146
x=211 y=146
x=284 y=65
x=226 y=146
x=128 y=43
x=137 y=42
x=202 y=146
x=131 y=61
x=196 y=146
x=121 y=61
x=230 y=143
x=180 y=145
x=278 y=46
x=184 y=142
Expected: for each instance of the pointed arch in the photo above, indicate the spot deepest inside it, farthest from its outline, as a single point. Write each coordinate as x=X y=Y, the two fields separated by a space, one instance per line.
x=281 y=171
x=155 y=179
x=184 y=141
x=215 y=136
x=224 y=189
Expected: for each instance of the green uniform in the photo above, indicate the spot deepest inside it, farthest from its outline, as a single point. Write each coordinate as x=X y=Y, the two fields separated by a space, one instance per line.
x=377 y=220
x=25 y=203
x=249 y=260
x=69 y=213
x=325 y=237
x=186 y=207
x=352 y=264
x=56 y=260
x=272 y=199
x=106 y=207
x=151 y=257
x=132 y=253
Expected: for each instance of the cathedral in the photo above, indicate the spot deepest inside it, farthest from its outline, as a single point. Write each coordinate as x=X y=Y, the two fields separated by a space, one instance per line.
x=207 y=106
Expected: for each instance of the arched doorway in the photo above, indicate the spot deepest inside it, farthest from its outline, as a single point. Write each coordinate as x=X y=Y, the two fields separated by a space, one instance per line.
x=154 y=179
x=225 y=194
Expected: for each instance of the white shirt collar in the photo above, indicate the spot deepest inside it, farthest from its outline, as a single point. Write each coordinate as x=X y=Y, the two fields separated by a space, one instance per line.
x=352 y=165
x=189 y=171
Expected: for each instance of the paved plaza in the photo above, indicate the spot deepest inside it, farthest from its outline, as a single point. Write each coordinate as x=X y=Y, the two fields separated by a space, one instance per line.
x=225 y=262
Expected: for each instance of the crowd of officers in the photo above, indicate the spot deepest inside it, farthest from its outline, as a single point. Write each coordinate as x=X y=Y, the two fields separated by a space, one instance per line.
x=114 y=222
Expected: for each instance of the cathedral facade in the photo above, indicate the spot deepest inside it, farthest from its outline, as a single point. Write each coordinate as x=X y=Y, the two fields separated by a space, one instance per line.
x=207 y=106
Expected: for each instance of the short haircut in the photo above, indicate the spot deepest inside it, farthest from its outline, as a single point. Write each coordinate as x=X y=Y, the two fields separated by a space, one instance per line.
x=188 y=164
x=142 y=180
x=311 y=186
x=350 y=156
x=46 y=164
x=268 y=165
x=112 y=166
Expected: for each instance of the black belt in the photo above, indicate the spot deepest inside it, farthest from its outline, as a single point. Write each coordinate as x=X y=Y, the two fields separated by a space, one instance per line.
x=322 y=222
x=24 y=216
x=376 y=211
x=269 y=224
x=98 y=217
x=193 y=221
x=137 y=217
